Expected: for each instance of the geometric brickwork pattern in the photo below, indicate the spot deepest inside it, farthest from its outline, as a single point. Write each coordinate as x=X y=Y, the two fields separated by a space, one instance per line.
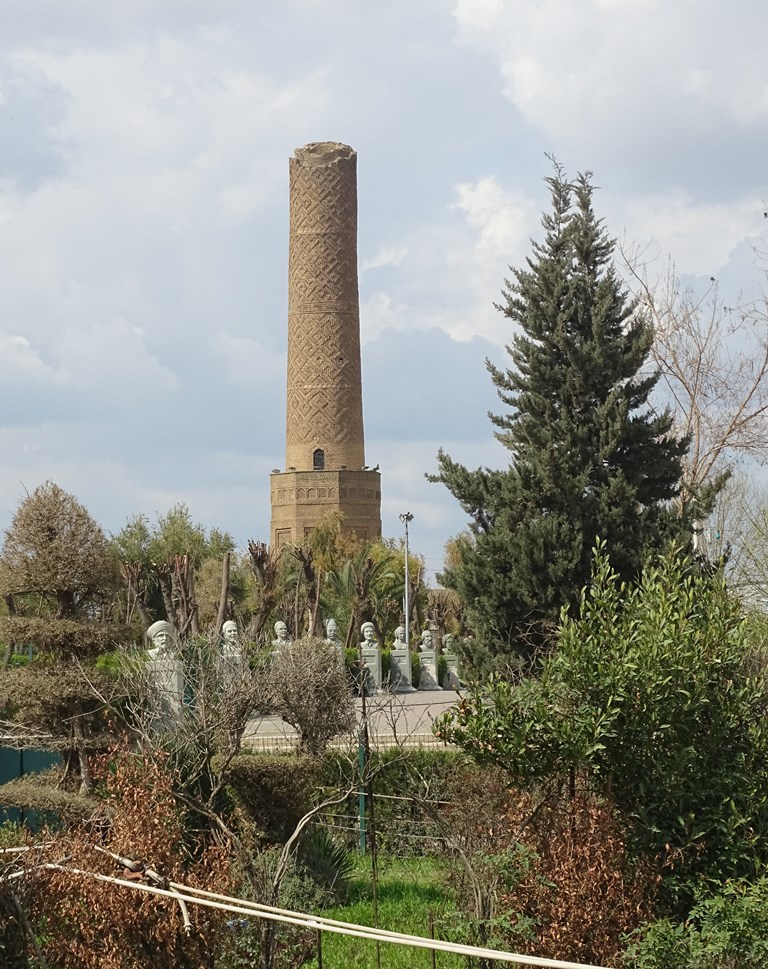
x=324 y=380
x=324 y=400
x=325 y=403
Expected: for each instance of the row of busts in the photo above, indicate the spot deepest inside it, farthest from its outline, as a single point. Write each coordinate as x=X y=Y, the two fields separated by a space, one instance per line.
x=162 y=637
x=368 y=638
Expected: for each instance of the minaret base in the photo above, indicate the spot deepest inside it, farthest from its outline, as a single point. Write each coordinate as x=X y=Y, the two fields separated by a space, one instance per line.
x=301 y=499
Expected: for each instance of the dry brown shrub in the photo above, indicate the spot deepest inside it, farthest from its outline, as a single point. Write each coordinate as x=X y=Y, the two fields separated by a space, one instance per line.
x=311 y=692
x=88 y=924
x=478 y=805
x=583 y=891
x=547 y=874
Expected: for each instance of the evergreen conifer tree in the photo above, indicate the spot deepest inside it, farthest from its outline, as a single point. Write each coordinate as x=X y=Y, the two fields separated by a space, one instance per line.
x=589 y=457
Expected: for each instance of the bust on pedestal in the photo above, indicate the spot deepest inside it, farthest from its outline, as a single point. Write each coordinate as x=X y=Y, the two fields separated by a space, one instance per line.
x=332 y=638
x=400 y=666
x=371 y=654
x=428 y=662
x=453 y=680
x=165 y=668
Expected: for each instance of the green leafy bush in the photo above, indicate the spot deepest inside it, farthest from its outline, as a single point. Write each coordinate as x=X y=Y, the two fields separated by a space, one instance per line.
x=652 y=697
x=273 y=791
x=724 y=931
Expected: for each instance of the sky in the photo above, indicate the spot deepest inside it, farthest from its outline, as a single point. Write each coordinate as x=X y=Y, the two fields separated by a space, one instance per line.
x=144 y=150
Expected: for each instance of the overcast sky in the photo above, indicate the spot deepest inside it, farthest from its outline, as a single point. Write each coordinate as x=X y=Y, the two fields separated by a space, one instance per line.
x=144 y=150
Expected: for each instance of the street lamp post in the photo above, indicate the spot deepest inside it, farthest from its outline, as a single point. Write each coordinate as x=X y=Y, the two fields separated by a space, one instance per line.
x=405 y=519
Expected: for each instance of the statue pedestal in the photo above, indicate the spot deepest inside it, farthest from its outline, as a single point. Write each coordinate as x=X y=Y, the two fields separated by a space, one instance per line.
x=168 y=679
x=372 y=668
x=452 y=680
x=428 y=663
x=400 y=671
x=233 y=664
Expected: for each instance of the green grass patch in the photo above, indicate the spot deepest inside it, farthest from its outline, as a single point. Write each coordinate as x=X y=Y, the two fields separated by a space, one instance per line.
x=408 y=890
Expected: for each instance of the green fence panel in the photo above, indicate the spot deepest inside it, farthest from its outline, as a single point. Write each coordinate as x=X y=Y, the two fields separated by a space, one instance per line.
x=16 y=763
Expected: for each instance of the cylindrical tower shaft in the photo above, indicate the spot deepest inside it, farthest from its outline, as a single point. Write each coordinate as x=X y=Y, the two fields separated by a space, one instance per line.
x=324 y=427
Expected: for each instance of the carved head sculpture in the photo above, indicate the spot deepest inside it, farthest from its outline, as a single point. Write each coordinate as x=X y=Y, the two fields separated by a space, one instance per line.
x=331 y=630
x=368 y=632
x=229 y=632
x=426 y=639
x=400 y=635
x=281 y=631
x=160 y=634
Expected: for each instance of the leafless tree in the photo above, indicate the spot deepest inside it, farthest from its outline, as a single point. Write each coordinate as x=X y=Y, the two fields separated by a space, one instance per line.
x=264 y=562
x=312 y=693
x=177 y=586
x=712 y=359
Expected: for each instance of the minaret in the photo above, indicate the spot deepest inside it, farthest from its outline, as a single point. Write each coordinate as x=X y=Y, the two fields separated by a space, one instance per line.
x=325 y=445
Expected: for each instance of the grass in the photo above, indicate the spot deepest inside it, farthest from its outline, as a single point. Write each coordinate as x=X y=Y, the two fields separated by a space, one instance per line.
x=408 y=890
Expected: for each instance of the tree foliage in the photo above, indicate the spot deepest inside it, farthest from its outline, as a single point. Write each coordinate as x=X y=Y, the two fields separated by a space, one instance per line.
x=160 y=564
x=174 y=533
x=653 y=697
x=58 y=563
x=588 y=455
x=56 y=552
x=724 y=930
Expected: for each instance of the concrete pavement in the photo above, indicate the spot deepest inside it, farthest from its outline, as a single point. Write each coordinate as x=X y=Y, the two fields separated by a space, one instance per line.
x=393 y=719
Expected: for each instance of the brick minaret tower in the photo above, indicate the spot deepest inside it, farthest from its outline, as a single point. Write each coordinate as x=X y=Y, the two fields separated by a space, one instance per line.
x=325 y=447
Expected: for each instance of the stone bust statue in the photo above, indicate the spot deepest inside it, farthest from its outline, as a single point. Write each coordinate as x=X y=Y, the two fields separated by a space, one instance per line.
x=399 y=642
x=332 y=632
x=426 y=639
x=368 y=632
x=231 y=646
x=229 y=633
x=161 y=636
x=166 y=671
x=233 y=658
x=281 y=635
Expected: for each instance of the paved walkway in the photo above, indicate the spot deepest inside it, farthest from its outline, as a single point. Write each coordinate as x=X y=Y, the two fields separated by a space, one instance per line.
x=393 y=719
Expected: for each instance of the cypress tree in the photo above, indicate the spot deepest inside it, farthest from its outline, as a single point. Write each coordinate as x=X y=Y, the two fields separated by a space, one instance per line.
x=589 y=457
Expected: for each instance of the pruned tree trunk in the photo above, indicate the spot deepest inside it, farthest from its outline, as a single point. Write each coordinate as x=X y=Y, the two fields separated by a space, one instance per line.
x=163 y=573
x=264 y=566
x=312 y=576
x=132 y=573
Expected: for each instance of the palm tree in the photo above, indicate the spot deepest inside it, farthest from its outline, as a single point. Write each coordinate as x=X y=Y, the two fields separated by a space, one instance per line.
x=361 y=587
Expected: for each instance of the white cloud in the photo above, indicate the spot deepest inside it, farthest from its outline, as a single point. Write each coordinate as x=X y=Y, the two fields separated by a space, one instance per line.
x=635 y=82
x=699 y=237
x=23 y=364
x=113 y=356
x=247 y=361
x=387 y=256
x=451 y=272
